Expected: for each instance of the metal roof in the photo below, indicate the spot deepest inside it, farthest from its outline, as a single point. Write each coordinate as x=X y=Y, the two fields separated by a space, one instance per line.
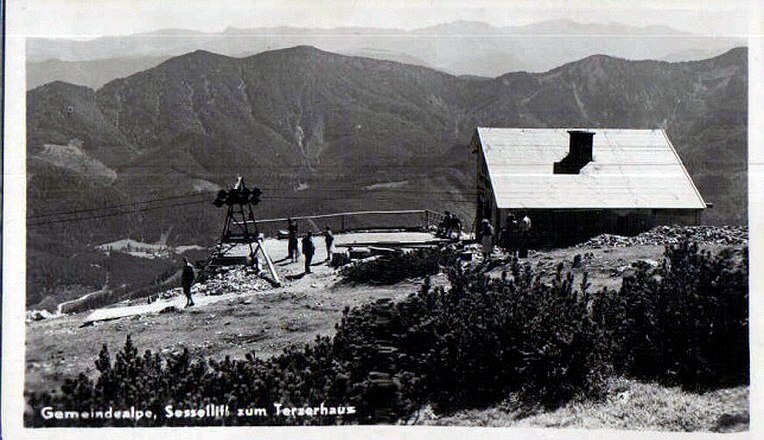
x=631 y=169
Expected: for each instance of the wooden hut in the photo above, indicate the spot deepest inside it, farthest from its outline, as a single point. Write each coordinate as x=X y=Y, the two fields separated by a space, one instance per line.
x=577 y=183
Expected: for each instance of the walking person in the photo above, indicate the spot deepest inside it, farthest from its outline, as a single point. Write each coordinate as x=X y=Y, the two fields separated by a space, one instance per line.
x=308 y=249
x=487 y=238
x=329 y=239
x=187 y=280
x=294 y=252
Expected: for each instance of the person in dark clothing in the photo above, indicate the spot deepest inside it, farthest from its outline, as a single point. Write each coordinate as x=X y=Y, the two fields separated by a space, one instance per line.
x=329 y=239
x=444 y=225
x=294 y=252
x=503 y=237
x=308 y=249
x=453 y=226
x=457 y=229
x=509 y=235
x=187 y=280
x=524 y=227
x=487 y=238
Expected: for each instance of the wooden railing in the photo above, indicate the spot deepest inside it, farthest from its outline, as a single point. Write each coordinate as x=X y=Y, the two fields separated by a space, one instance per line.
x=412 y=219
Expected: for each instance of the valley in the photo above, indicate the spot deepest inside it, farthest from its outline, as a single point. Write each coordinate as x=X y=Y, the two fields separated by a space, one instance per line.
x=141 y=157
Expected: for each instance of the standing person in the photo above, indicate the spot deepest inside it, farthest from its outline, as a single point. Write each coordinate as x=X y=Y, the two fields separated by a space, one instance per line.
x=525 y=232
x=444 y=225
x=487 y=238
x=308 y=249
x=294 y=252
x=456 y=228
x=503 y=238
x=187 y=280
x=513 y=230
x=329 y=239
x=450 y=224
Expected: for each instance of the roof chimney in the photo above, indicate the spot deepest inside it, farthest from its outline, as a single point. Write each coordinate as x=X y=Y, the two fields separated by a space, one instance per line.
x=579 y=153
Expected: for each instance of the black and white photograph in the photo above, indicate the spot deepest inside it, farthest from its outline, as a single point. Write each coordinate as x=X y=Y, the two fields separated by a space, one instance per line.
x=504 y=217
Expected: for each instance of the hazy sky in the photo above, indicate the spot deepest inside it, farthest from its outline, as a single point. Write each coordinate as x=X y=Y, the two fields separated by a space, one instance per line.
x=92 y=18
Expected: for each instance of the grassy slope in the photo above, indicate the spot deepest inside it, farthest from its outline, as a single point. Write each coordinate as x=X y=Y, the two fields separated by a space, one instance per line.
x=629 y=405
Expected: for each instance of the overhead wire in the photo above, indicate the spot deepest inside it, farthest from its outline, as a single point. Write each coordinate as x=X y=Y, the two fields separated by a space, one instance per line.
x=124 y=205
x=113 y=214
x=373 y=193
x=193 y=202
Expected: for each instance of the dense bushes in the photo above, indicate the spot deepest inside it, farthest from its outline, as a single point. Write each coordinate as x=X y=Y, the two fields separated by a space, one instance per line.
x=685 y=321
x=481 y=339
x=472 y=344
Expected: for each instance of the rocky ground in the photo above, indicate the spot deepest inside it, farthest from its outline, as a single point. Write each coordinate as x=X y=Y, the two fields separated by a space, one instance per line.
x=663 y=235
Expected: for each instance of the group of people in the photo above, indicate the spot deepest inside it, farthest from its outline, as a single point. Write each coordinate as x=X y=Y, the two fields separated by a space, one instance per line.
x=450 y=226
x=188 y=277
x=308 y=246
x=514 y=237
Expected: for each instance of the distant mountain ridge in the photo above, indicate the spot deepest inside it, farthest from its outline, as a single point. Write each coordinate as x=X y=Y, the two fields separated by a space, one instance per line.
x=460 y=48
x=302 y=115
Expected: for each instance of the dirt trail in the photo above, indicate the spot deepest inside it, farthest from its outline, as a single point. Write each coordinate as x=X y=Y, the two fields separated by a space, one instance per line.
x=229 y=324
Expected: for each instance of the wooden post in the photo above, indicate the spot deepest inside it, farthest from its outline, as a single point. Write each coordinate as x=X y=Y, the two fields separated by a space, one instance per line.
x=269 y=262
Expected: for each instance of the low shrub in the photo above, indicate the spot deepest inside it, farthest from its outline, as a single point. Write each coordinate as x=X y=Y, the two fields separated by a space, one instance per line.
x=297 y=377
x=474 y=343
x=685 y=321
